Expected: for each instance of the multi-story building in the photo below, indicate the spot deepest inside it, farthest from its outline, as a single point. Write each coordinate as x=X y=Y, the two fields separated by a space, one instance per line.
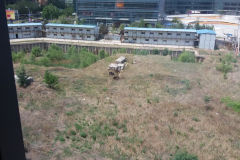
x=205 y=39
x=25 y=30
x=108 y=11
x=160 y=36
x=204 y=6
x=71 y=31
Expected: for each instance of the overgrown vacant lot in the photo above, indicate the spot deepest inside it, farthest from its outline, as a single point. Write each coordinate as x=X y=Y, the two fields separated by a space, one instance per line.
x=157 y=107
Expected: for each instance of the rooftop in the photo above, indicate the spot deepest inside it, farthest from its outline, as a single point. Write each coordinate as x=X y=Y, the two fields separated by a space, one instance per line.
x=70 y=25
x=24 y=24
x=161 y=29
x=206 y=31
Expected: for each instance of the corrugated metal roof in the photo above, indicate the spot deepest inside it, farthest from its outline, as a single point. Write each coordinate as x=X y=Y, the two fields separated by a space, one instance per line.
x=161 y=29
x=24 y=24
x=70 y=25
x=206 y=31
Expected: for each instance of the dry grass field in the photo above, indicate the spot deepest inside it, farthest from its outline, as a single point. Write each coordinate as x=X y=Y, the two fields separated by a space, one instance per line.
x=157 y=107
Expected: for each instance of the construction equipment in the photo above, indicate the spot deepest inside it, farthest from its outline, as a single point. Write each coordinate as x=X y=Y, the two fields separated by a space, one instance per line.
x=116 y=68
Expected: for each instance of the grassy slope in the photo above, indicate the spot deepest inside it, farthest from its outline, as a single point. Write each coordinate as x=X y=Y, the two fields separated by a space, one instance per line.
x=155 y=108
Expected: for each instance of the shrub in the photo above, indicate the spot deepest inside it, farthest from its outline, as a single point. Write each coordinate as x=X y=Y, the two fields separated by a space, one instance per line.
x=51 y=80
x=228 y=58
x=165 y=52
x=55 y=53
x=22 y=77
x=187 y=57
x=102 y=54
x=183 y=155
x=235 y=105
x=17 y=57
x=224 y=67
x=156 y=51
x=43 y=61
x=36 y=51
x=83 y=134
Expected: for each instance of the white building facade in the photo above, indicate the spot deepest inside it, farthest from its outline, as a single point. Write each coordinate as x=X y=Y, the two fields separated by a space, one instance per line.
x=25 y=30
x=207 y=39
x=71 y=31
x=160 y=36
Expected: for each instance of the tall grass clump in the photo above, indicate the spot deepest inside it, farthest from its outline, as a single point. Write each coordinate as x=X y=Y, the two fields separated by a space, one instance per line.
x=36 y=51
x=184 y=155
x=55 y=53
x=186 y=57
x=225 y=65
x=235 y=105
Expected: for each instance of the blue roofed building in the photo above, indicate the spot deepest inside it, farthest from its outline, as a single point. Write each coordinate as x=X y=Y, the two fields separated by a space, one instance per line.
x=25 y=30
x=204 y=39
x=72 y=31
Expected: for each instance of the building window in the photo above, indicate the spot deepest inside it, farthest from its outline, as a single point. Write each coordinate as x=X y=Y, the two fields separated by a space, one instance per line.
x=73 y=29
x=88 y=36
x=10 y=29
x=80 y=30
x=169 y=34
x=88 y=30
x=178 y=34
x=126 y=38
x=126 y=32
x=176 y=41
x=160 y=33
x=27 y=27
x=151 y=32
x=143 y=33
x=62 y=35
x=19 y=28
x=187 y=41
x=61 y=28
x=155 y=40
x=134 y=39
x=55 y=28
x=55 y=34
x=35 y=27
x=146 y=39
x=164 y=40
x=187 y=34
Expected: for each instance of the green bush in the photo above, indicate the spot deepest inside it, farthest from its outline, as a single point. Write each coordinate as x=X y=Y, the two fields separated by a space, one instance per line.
x=22 y=77
x=235 y=105
x=224 y=67
x=165 y=52
x=17 y=57
x=43 y=61
x=51 y=80
x=228 y=58
x=36 y=51
x=156 y=51
x=183 y=155
x=187 y=57
x=102 y=54
x=55 y=53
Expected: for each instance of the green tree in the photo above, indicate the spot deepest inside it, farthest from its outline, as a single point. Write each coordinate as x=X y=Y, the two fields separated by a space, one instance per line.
x=57 y=3
x=22 y=77
x=50 y=12
x=187 y=57
x=51 y=80
x=68 y=11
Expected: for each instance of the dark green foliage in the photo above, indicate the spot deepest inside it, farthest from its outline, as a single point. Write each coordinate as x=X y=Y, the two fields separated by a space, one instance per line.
x=43 y=61
x=17 y=57
x=36 y=51
x=207 y=99
x=187 y=57
x=51 y=80
x=184 y=155
x=156 y=51
x=226 y=64
x=50 y=12
x=83 y=134
x=55 y=53
x=235 y=105
x=165 y=52
x=103 y=30
x=22 y=5
x=102 y=54
x=22 y=77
